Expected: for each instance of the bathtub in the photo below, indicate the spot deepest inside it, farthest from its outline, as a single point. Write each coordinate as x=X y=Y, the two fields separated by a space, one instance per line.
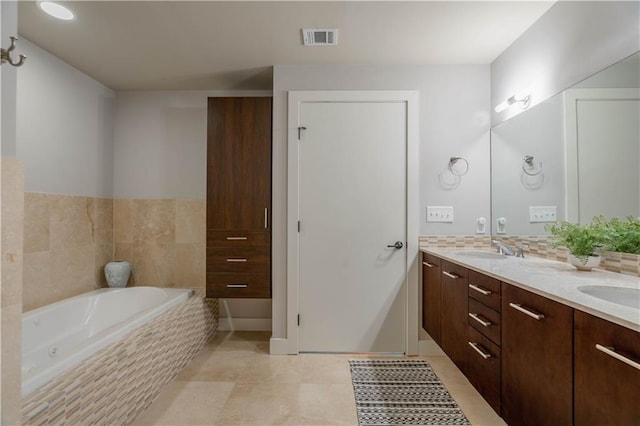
x=59 y=336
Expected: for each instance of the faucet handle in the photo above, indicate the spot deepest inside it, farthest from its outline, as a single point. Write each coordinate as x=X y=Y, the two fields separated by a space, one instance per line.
x=520 y=250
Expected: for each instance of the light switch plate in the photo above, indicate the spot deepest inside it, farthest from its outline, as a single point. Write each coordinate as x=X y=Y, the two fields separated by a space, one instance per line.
x=542 y=214
x=440 y=214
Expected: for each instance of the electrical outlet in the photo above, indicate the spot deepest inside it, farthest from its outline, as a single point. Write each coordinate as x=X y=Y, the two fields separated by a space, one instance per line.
x=440 y=214
x=541 y=214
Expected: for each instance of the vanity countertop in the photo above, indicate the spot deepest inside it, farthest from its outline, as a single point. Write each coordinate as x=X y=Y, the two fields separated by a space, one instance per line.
x=555 y=280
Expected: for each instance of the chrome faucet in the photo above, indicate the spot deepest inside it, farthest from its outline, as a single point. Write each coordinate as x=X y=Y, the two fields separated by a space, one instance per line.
x=520 y=250
x=503 y=248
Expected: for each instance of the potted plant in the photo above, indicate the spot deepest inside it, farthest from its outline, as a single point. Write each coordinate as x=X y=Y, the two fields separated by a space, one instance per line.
x=582 y=241
x=618 y=235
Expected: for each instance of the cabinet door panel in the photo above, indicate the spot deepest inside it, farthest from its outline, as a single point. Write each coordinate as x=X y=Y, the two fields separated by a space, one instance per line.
x=607 y=391
x=431 y=296
x=455 y=298
x=483 y=368
x=537 y=359
x=238 y=163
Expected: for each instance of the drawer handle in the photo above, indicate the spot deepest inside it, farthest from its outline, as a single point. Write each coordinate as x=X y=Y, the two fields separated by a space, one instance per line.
x=478 y=318
x=237 y=285
x=237 y=259
x=266 y=218
x=526 y=311
x=429 y=265
x=451 y=275
x=612 y=353
x=236 y=238
x=479 y=289
x=476 y=347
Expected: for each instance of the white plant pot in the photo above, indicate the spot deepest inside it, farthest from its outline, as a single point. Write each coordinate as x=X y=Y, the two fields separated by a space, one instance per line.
x=117 y=273
x=584 y=263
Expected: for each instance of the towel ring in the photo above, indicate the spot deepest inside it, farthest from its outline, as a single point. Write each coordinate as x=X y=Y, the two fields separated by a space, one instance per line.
x=453 y=161
x=528 y=164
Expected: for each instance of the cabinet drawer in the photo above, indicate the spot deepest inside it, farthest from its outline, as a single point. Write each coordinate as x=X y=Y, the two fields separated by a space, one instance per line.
x=453 y=271
x=241 y=259
x=220 y=285
x=237 y=238
x=485 y=320
x=483 y=367
x=430 y=261
x=485 y=289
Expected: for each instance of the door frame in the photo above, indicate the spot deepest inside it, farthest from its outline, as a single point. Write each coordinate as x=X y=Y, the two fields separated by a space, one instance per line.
x=411 y=99
x=570 y=99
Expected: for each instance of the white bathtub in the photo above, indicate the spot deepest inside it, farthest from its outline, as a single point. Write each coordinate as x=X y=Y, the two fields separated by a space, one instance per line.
x=59 y=336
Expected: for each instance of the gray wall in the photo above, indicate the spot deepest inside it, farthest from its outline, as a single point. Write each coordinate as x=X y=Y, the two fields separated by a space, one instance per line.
x=570 y=42
x=64 y=127
x=9 y=10
x=454 y=121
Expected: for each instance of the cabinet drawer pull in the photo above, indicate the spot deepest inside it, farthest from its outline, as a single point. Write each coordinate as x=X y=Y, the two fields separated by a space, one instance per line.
x=476 y=347
x=451 y=275
x=237 y=285
x=479 y=289
x=526 y=311
x=429 y=265
x=612 y=353
x=478 y=318
x=266 y=218
x=237 y=259
x=236 y=238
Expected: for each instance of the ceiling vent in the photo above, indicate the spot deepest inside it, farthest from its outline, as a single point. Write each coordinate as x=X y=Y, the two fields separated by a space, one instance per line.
x=319 y=37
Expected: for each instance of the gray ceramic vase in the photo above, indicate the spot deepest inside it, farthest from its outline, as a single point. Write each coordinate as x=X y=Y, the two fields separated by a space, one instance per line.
x=117 y=273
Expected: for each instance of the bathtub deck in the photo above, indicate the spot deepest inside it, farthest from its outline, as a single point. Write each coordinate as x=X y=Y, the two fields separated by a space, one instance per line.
x=234 y=381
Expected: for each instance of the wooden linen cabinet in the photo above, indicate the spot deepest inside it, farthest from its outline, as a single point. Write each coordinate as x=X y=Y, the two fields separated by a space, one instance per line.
x=238 y=251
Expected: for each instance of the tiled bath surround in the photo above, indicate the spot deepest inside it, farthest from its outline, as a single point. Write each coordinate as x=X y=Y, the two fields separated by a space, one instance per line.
x=120 y=381
x=164 y=239
x=538 y=246
x=67 y=242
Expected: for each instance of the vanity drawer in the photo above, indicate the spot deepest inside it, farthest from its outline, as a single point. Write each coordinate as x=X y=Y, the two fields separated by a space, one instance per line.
x=222 y=285
x=237 y=238
x=483 y=367
x=243 y=259
x=484 y=289
x=485 y=320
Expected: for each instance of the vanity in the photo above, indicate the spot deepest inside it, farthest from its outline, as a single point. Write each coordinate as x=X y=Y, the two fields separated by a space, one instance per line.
x=543 y=343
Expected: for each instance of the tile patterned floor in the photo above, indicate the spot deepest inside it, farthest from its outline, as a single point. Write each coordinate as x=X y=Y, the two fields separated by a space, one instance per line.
x=234 y=381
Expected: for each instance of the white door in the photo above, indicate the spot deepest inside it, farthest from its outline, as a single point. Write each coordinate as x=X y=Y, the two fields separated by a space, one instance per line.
x=352 y=206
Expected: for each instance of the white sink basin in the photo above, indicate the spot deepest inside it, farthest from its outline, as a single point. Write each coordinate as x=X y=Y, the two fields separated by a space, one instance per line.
x=619 y=295
x=481 y=254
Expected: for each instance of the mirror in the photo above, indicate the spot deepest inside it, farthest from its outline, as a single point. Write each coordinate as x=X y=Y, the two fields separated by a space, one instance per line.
x=571 y=157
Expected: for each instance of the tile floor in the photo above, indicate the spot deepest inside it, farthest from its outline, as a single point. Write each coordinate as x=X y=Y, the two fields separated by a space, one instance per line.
x=234 y=381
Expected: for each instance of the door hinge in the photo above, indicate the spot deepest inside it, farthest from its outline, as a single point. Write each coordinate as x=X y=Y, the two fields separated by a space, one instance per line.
x=298 y=320
x=300 y=129
x=298 y=226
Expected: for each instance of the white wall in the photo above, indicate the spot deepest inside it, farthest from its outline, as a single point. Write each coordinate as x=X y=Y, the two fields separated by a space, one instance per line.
x=454 y=121
x=64 y=127
x=8 y=75
x=570 y=42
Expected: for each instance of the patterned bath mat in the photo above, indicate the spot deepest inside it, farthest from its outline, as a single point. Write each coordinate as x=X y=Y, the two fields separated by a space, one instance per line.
x=402 y=392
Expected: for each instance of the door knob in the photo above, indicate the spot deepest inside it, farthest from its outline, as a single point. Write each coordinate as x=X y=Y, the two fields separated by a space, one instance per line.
x=397 y=245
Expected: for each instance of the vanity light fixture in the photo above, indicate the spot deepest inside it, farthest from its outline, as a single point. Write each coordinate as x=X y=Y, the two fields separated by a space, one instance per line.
x=56 y=10
x=523 y=98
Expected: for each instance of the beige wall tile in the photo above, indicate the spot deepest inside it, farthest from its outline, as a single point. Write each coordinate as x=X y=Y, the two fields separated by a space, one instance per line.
x=123 y=220
x=154 y=221
x=103 y=226
x=154 y=264
x=36 y=222
x=190 y=221
x=37 y=289
x=190 y=265
x=71 y=221
x=11 y=250
x=72 y=271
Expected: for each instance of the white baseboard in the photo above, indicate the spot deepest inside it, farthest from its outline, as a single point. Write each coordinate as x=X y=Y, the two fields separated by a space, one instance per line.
x=244 y=324
x=279 y=346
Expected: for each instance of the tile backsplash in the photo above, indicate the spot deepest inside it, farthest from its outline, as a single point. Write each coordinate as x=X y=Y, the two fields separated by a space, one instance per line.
x=538 y=246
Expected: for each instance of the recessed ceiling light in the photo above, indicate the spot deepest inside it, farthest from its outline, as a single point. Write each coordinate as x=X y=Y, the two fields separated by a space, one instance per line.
x=56 y=10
